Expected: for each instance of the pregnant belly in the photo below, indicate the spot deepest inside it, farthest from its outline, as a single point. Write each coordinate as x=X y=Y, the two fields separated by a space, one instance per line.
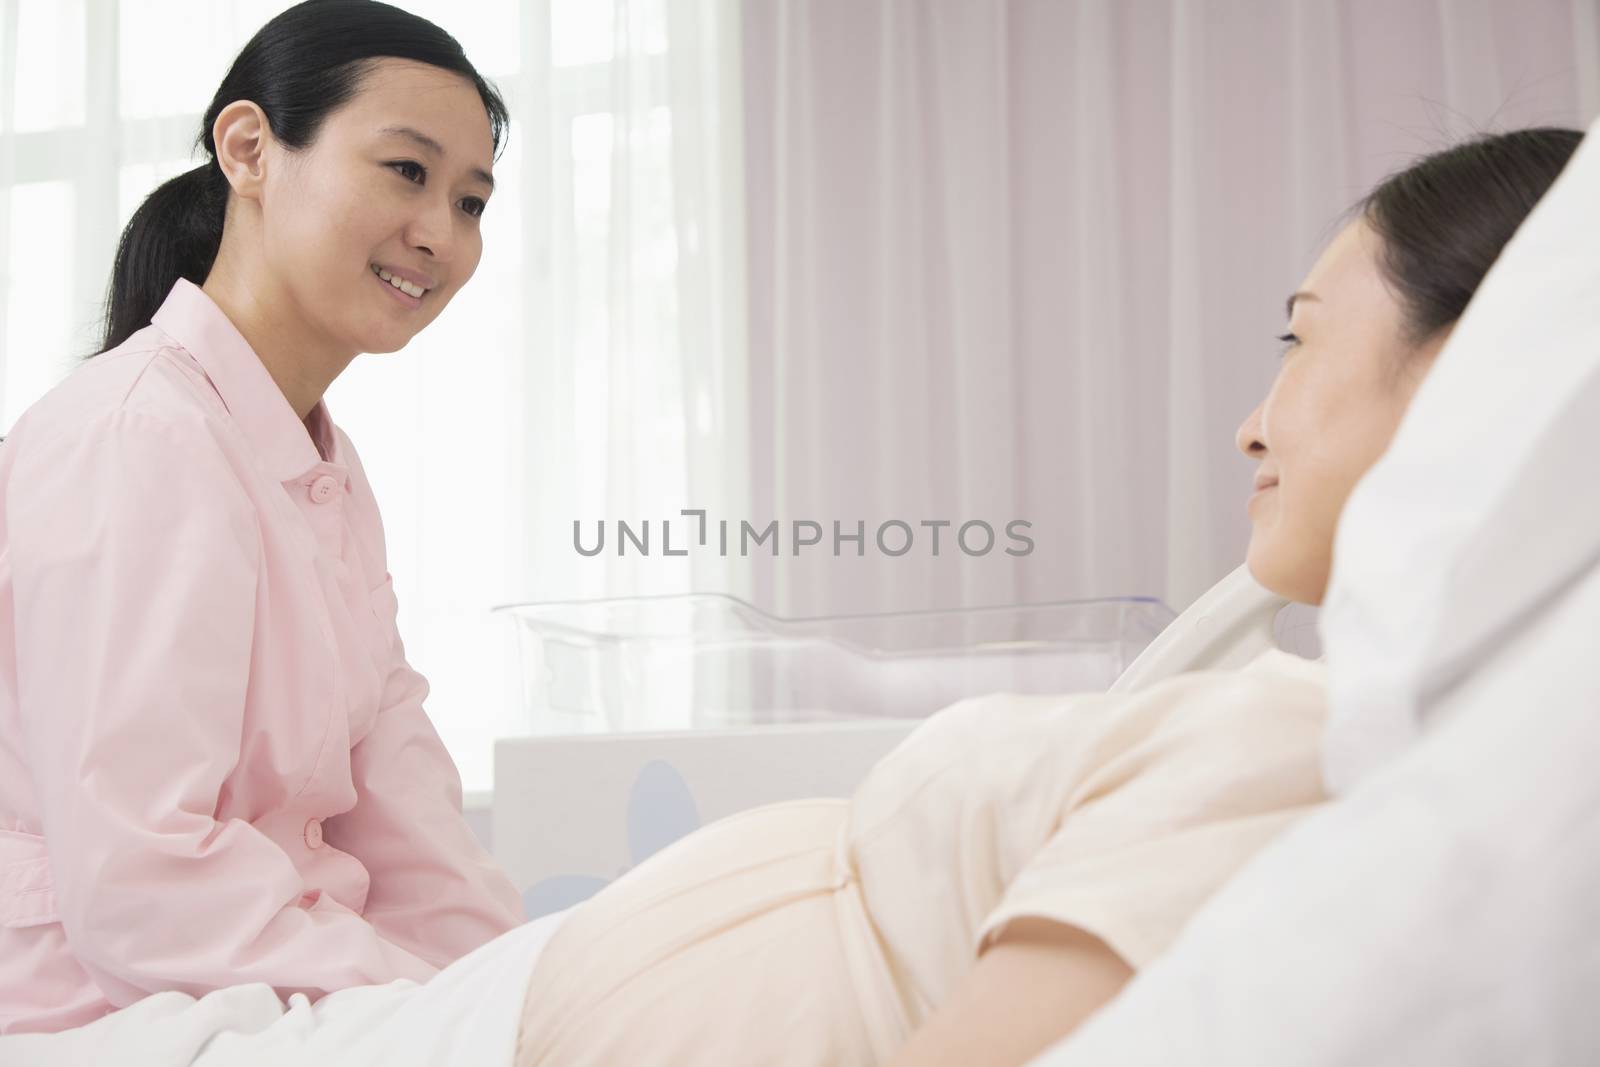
x=740 y=943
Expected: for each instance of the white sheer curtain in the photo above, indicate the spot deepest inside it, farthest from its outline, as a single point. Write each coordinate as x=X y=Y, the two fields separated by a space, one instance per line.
x=1026 y=259
x=592 y=369
x=1007 y=259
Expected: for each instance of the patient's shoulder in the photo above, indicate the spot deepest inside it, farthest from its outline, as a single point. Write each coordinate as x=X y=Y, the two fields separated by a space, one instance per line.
x=1277 y=662
x=1270 y=677
x=1276 y=694
x=1275 y=698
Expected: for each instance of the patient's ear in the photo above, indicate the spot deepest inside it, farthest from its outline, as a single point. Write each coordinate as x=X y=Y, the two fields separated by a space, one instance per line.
x=1422 y=358
x=1411 y=364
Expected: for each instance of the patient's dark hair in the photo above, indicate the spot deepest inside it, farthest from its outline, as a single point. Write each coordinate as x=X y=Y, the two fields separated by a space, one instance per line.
x=298 y=68
x=1445 y=218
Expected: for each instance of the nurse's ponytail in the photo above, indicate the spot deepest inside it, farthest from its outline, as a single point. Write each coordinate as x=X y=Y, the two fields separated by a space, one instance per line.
x=298 y=68
x=175 y=234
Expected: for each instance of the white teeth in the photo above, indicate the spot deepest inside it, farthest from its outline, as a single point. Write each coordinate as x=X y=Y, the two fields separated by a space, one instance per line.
x=404 y=286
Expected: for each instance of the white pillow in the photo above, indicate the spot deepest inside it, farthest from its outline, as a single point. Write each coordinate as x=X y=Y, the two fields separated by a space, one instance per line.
x=1484 y=506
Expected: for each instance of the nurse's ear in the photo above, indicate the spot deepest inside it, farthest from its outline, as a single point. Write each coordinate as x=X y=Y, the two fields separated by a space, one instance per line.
x=242 y=137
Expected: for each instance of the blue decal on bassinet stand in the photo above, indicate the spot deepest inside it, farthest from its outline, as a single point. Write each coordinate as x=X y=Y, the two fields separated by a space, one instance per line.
x=661 y=809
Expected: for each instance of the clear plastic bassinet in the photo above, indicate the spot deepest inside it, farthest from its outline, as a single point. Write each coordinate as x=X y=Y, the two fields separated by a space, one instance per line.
x=708 y=660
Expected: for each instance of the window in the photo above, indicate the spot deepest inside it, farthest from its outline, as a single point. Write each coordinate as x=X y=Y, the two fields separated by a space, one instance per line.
x=552 y=388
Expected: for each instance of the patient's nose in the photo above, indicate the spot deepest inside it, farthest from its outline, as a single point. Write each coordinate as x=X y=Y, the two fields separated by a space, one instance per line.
x=1248 y=436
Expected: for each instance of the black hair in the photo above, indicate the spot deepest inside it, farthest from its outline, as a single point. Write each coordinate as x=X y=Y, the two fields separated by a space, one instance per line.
x=1444 y=219
x=298 y=68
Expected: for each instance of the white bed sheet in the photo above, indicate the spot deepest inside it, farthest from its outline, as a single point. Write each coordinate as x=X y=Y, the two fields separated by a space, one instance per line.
x=466 y=1014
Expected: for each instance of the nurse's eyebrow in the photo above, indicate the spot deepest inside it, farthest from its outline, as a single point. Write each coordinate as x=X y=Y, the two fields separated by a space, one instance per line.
x=428 y=144
x=1288 y=308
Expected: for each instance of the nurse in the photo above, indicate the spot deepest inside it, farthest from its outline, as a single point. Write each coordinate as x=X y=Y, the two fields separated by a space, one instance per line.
x=215 y=765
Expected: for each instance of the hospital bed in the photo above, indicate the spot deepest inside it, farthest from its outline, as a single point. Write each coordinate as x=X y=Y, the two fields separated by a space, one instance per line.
x=649 y=717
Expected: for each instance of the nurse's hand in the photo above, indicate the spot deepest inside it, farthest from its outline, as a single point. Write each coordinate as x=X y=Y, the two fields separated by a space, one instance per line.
x=1038 y=982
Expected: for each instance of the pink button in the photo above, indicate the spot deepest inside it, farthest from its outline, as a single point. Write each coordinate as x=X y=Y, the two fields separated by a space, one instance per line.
x=314 y=833
x=323 y=488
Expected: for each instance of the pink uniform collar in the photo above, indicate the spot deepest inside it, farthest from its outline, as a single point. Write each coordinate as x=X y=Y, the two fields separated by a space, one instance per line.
x=289 y=447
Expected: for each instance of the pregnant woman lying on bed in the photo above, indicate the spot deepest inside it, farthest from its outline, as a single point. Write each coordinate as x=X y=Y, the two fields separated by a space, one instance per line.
x=1005 y=871
x=215 y=769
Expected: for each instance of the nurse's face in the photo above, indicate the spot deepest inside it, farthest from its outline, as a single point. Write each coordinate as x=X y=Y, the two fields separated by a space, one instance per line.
x=1346 y=379
x=371 y=192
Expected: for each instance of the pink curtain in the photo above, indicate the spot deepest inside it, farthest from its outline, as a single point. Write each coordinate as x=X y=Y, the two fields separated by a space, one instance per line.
x=1025 y=259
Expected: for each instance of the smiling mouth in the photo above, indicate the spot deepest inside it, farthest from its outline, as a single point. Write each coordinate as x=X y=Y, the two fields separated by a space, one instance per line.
x=411 y=303
x=400 y=285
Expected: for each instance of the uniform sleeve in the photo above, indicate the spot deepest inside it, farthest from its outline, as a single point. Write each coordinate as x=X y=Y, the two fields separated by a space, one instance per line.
x=434 y=888
x=1152 y=833
x=135 y=560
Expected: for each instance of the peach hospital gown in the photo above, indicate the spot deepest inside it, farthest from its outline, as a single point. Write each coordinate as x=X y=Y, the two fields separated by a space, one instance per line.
x=823 y=932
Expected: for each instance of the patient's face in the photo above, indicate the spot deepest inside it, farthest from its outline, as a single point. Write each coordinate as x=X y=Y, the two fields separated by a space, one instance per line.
x=1343 y=386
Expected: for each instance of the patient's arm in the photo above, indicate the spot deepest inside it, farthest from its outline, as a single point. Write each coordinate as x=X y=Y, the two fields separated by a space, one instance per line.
x=1037 y=982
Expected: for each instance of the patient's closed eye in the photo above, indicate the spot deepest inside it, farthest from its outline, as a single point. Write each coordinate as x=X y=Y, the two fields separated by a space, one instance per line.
x=1289 y=341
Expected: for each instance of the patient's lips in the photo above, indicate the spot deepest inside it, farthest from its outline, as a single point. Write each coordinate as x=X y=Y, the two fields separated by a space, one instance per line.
x=1265 y=483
